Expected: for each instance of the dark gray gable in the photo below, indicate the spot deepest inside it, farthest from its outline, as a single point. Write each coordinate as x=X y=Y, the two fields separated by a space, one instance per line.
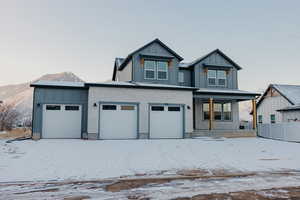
x=129 y=57
x=216 y=52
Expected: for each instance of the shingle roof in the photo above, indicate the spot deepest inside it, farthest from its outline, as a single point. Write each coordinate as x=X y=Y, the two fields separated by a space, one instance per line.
x=290 y=92
x=290 y=108
x=215 y=51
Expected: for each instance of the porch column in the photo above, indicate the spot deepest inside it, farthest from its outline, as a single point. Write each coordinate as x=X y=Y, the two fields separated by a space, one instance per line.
x=254 y=115
x=211 y=113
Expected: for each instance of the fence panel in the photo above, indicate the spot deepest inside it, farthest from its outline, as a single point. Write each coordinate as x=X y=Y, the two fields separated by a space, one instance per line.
x=288 y=131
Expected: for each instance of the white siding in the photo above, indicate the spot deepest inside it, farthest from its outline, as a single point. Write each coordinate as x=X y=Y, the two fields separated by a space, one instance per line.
x=289 y=116
x=144 y=97
x=126 y=73
x=269 y=105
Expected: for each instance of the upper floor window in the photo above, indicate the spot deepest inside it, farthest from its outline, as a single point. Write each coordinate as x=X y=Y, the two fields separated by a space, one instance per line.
x=216 y=78
x=162 y=70
x=149 y=69
x=180 y=77
x=156 y=70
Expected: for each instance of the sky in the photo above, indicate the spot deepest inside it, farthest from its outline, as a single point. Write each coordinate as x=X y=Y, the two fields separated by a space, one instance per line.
x=84 y=37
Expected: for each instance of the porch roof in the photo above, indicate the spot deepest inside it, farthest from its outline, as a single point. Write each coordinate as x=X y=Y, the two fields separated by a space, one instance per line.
x=225 y=94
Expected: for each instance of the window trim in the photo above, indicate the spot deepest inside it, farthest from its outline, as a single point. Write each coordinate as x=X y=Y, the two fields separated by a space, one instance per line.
x=180 y=73
x=272 y=121
x=145 y=70
x=216 y=78
x=157 y=70
x=260 y=119
x=222 y=112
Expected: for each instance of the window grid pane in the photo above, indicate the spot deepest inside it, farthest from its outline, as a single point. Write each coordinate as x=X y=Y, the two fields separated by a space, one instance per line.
x=181 y=77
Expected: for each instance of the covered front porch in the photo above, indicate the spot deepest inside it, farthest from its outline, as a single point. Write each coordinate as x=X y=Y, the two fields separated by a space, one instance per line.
x=216 y=113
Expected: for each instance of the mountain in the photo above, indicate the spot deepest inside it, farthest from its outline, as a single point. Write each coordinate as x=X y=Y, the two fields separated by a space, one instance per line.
x=21 y=94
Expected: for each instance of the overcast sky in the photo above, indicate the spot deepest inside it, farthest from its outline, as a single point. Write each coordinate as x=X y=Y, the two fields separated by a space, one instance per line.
x=39 y=37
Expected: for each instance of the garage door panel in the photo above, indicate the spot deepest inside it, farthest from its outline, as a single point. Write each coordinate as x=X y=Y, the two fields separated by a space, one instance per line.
x=62 y=121
x=118 y=121
x=166 y=122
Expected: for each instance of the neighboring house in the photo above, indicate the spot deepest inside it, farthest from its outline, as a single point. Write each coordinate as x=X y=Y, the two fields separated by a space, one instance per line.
x=153 y=94
x=279 y=103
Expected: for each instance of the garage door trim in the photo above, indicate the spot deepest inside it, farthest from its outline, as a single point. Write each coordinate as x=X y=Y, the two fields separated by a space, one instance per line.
x=166 y=104
x=137 y=104
x=41 y=106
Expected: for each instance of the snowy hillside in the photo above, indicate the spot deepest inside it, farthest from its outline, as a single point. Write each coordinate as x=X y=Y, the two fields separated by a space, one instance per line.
x=21 y=94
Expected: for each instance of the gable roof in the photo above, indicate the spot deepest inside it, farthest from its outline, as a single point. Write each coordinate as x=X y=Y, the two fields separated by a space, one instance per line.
x=128 y=58
x=290 y=92
x=207 y=55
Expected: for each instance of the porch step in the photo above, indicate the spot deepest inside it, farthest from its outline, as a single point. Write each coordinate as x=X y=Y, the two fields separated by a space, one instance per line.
x=223 y=133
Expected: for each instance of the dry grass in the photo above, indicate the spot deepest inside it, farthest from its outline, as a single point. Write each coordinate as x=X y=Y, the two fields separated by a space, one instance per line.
x=16 y=133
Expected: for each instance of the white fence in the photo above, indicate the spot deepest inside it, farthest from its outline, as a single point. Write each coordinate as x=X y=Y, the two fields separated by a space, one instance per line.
x=289 y=131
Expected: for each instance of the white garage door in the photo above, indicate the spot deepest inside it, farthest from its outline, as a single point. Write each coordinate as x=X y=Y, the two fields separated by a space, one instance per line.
x=118 y=121
x=61 y=121
x=166 y=121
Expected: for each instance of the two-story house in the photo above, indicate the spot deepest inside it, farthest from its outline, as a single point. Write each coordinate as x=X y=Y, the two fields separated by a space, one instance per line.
x=153 y=94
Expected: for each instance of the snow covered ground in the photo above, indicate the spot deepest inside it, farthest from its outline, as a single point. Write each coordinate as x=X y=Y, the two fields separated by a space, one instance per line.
x=45 y=160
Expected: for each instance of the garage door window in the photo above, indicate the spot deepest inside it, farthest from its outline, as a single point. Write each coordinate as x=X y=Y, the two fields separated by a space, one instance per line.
x=70 y=108
x=52 y=107
x=157 y=108
x=174 y=109
x=127 y=107
x=109 y=107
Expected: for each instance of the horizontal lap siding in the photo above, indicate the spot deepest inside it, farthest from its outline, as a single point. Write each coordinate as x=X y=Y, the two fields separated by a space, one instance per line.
x=144 y=97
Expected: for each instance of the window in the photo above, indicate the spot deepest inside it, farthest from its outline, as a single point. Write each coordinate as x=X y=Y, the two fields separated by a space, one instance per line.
x=127 y=107
x=227 y=111
x=222 y=111
x=218 y=111
x=162 y=70
x=109 y=107
x=260 y=119
x=273 y=120
x=70 y=108
x=206 y=111
x=52 y=107
x=157 y=108
x=155 y=70
x=212 y=75
x=221 y=75
x=216 y=78
x=174 y=109
x=149 y=68
x=180 y=77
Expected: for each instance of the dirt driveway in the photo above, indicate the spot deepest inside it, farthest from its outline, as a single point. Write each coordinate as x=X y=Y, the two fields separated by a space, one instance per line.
x=177 y=185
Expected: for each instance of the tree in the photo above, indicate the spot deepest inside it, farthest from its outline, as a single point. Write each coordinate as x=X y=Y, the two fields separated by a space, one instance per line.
x=8 y=116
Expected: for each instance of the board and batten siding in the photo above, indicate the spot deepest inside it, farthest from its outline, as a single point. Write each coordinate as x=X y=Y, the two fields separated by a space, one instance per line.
x=155 y=49
x=215 y=59
x=202 y=124
x=57 y=96
x=126 y=73
x=143 y=97
x=269 y=105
